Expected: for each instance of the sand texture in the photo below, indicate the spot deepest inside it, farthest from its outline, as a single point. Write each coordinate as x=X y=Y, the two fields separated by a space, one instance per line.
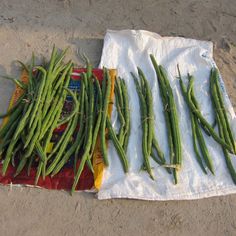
x=27 y=26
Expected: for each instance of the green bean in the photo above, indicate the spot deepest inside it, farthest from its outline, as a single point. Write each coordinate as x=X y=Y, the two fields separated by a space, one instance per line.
x=36 y=109
x=51 y=75
x=31 y=133
x=78 y=143
x=126 y=112
x=143 y=110
x=220 y=97
x=218 y=108
x=63 y=145
x=57 y=103
x=174 y=124
x=106 y=89
x=204 y=149
x=118 y=90
x=201 y=140
x=156 y=146
x=89 y=140
x=161 y=161
x=35 y=137
x=12 y=118
x=81 y=167
x=53 y=125
x=153 y=156
x=226 y=154
x=126 y=139
x=61 y=140
x=21 y=165
x=17 y=82
x=150 y=113
x=42 y=163
x=38 y=173
x=99 y=116
x=195 y=102
x=77 y=150
x=89 y=164
x=194 y=122
x=118 y=147
x=120 y=105
x=49 y=118
x=60 y=97
x=174 y=119
x=40 y=152
x=28 y=153
x=164 y=99
x=121 y=119
x=18 y=148
x=206 y=124
x=75 y=110
x=83 y=102
x=3 y=145
x=170 y=117
x=39 y=95
x=86 y=105
x=59 y=60
x=24 y=158
x=49 y=136
x=23 y=122
x=91 y=113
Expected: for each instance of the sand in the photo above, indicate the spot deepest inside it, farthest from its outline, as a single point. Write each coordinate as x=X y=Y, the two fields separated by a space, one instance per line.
x=27 y=26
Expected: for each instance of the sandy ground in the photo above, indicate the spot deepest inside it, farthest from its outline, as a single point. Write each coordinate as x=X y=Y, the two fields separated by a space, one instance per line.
x=27 y=26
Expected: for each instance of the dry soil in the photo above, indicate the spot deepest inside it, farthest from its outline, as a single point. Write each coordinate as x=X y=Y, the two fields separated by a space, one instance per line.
x=27 y=26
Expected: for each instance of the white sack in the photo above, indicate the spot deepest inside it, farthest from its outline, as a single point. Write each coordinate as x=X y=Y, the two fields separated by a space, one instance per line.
x=126 y=49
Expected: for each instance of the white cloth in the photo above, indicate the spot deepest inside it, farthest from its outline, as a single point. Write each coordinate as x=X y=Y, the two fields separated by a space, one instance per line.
x=126 y=49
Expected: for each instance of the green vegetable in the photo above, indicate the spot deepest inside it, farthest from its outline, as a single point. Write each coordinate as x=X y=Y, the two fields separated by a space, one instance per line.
x=106 y=90
x=143 y=110
x=118 y=147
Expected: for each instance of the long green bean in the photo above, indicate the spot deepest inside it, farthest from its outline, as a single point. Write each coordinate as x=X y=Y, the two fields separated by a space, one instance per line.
x=226 y=154
x=106 y=90
x=118 y=147
x=206 y=124
x=89 y=141
x=166 y=108
x=143 y=110
x=126 y=112
x=228 y=132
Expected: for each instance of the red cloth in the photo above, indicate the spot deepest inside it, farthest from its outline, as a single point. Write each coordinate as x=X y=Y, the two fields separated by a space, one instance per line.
x=65 y=178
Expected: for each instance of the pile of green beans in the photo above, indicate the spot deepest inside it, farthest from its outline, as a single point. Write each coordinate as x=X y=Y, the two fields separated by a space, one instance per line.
x=222 y=121
x=96 y=121
x=28 y=133
x=25 y=137
x=171 y=118
x=150 y=146
x=203 y=156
